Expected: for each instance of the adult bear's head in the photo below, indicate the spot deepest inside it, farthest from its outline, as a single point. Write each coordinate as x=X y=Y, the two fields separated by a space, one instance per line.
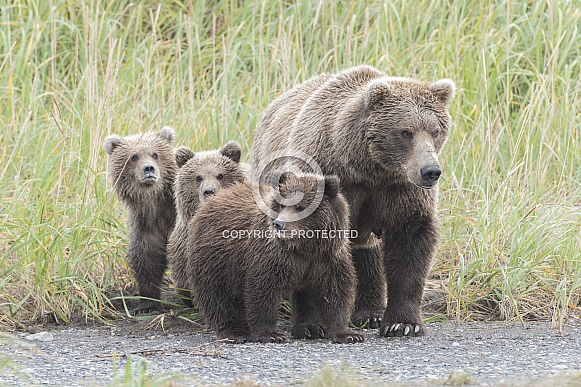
x=407 y=123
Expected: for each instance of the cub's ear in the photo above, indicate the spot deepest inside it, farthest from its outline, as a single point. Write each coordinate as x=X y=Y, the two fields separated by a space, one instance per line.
x=332 y=185
x=444 y=90
x=376 y=91
x=167 y=133
x=112 y=142
x=183 y=154
x=232 y=150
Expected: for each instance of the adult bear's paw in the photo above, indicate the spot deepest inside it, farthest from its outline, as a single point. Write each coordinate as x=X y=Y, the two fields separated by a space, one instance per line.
x=393 y=329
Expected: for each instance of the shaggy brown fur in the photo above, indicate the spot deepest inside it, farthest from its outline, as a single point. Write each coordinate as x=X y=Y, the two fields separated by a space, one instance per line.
x=142 y=169
x=381 y=135
x=239 y=281
x=200 y=176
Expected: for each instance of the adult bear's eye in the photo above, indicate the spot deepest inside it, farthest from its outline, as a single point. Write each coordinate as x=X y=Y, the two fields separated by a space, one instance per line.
x=199 y=178
x=220 y=177
x=134 y=158
x=406 y=134
x=300 y=208
x=154 y=156
x=435 y=134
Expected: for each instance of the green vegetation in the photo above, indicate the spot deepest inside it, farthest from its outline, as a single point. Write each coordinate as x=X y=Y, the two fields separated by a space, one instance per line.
x=72 y=72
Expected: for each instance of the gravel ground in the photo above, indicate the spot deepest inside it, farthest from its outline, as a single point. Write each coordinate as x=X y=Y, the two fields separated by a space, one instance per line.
x=484 y=353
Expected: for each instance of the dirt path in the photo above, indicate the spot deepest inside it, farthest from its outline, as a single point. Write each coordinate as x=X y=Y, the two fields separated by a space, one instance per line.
x=482 y=353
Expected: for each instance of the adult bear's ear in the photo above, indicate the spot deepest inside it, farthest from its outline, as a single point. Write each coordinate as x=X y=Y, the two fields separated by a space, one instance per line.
x=182 y=155
x=332 y=185
x=112 y=142
x=376 y=92
x=232 y=150
x=444 y=90
x=167 y=133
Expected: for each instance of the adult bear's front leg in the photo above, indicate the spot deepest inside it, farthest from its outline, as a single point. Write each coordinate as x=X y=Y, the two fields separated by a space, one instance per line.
x=371 y=288
x=408 y=254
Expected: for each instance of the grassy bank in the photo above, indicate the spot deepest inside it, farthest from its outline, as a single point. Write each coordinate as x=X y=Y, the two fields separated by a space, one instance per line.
x=72 y=72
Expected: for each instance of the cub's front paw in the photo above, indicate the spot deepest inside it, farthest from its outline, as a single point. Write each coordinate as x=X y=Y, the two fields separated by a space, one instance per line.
x=308 y=331
x=394 y=329
x=273 y=337
x=233 y=335
x=348 y=338
x=147 y=307
x=366 y=321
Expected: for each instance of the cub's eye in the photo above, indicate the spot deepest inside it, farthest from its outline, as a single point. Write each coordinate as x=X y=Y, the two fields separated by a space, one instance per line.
x=436 y=134
x=406 y=134
x=220 y=177
x=300 y=208
x=134 y=158
x=154 y=156
x=199 y=178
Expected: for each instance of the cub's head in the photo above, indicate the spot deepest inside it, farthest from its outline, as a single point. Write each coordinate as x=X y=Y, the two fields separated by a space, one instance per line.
x=407 y=123
x=204 y=173
x=307 y=208
x=141 y=165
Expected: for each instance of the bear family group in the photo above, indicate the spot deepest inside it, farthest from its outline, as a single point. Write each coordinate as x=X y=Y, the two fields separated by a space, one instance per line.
x=336 y=212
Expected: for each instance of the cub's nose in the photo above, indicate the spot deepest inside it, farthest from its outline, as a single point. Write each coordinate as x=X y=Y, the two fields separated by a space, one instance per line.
x=431 y=173
x=278 y=224
x=209 y=191
x=149 y=169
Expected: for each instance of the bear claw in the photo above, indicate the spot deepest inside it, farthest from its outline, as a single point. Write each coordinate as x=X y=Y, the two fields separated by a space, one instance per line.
x=402 y=330
x=308 y=331
x=276 y=338
x=372 y=322
x=348 y=338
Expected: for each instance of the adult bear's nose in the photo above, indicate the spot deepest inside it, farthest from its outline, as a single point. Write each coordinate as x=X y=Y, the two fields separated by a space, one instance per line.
x=278 y=224
x=431 y=173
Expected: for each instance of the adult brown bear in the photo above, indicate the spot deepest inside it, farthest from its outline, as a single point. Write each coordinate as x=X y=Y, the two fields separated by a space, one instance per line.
x=381 y=136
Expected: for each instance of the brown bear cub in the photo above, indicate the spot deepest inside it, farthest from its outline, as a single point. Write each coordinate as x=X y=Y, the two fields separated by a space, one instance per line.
x=381 y=136
x=200 y=176
x=242 y=262
x=142 y=169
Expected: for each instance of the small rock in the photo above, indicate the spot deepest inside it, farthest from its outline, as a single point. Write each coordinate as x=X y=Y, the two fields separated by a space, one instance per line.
x=41 y=336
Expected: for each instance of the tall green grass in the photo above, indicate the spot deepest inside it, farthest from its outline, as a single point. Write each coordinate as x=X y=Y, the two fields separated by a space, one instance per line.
x=72 y=72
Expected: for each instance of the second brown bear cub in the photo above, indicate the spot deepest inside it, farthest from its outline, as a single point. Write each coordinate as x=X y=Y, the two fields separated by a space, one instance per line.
x=241 y=262
x=200 y=176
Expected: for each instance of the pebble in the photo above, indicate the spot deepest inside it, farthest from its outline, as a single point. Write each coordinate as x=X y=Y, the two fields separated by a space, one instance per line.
x=41 y=336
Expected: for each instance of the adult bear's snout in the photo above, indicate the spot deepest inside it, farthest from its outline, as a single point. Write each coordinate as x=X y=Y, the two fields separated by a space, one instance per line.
x=431 y=173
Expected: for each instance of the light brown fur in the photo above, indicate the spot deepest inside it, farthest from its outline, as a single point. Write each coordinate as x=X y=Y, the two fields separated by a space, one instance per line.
x=381 y=135
x=142 y=169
